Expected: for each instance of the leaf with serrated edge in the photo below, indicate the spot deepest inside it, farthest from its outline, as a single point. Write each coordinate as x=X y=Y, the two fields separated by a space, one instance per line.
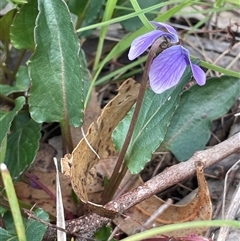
x=152 y=124
x=55 y=68
x=190 y=126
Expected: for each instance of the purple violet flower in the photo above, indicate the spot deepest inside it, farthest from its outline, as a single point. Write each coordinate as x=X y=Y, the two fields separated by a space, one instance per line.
x=167 y=68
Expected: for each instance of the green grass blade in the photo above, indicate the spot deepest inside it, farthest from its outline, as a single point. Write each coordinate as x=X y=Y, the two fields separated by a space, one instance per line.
x=220 y=69
x=141 y=16
x=107 y=16
x=121 y=70
x=181 y=226
x=13 y=202
x=131 y=15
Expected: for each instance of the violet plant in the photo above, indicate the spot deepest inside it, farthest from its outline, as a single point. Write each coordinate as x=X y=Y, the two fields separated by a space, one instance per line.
x=168 y=68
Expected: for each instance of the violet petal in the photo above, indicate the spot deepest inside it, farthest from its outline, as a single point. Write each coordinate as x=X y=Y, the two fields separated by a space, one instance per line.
x=143 y=42
x=198 y=73
x=166 y=69
x=165 y=27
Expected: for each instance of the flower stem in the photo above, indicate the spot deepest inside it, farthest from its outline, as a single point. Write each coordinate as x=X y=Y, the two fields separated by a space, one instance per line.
x=118 y=175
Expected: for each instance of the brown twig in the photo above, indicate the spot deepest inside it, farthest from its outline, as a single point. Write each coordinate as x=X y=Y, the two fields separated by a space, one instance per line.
x=88 y=225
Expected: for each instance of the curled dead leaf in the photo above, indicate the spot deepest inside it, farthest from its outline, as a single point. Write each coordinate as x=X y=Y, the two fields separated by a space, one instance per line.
x=99 y=137
x=199 y=208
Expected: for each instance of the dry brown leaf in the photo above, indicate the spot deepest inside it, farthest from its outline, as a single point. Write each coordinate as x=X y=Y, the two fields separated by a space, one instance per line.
x=200 y=208
x=43 y=168
x=99 y=137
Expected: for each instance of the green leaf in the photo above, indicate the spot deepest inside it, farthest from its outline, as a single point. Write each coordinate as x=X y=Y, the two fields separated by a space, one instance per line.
x=8 y=221
x=55 y=68
x=23 y=26
x=34 y=229
x=190 y=126
x=93 y=11
x=7 y=236
x=5 y=23
x=22 y=82
x=78 y=7
x=87 y=11
x=22 y=147
x=6 y=117
x=104 y=233
x=152 y=124
x=2 y=209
